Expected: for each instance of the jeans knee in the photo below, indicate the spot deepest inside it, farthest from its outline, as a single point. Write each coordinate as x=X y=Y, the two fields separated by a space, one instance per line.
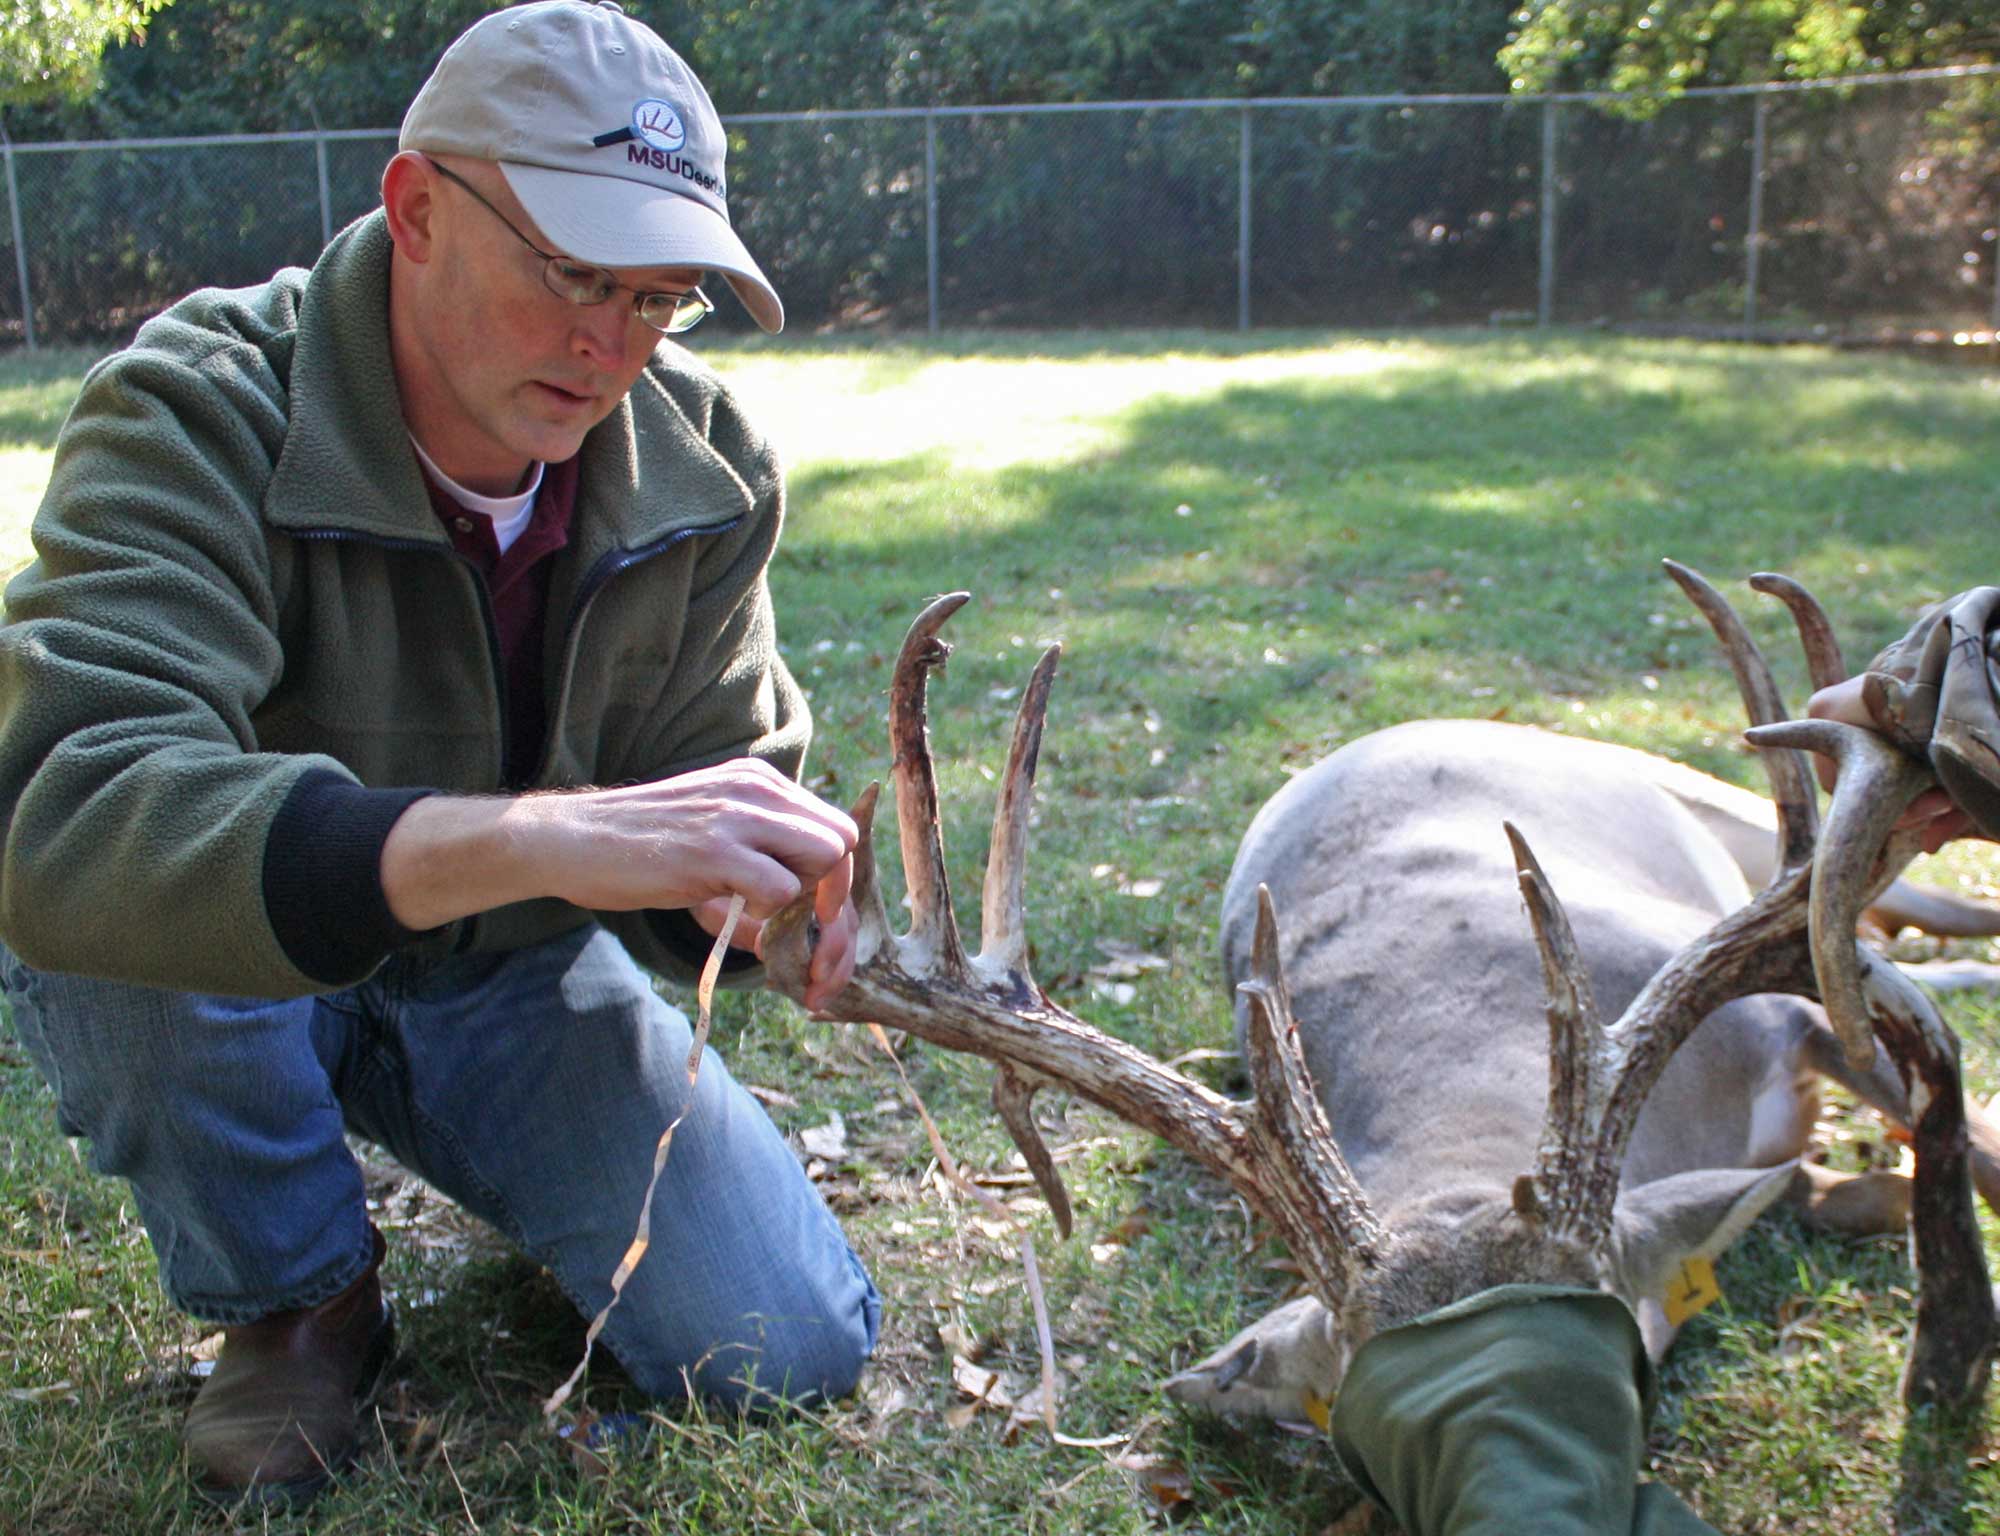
x=765 y=1362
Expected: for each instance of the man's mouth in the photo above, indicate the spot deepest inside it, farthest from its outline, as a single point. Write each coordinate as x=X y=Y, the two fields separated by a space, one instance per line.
x=563 y=395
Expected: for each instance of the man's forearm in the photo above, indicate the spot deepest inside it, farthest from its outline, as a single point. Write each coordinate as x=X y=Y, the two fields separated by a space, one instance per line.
x=736 y=828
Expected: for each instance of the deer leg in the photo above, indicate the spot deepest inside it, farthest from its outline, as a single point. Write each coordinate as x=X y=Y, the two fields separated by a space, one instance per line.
x=1851 y=1204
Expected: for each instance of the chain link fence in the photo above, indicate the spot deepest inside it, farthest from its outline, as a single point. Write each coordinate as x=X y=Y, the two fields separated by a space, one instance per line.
x=1783 y=209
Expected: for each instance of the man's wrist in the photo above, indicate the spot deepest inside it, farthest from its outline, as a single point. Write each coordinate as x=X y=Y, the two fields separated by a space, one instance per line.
x=451 y=856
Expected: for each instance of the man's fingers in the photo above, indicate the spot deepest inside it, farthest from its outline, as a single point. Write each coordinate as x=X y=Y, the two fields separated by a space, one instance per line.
x=1928 y=806
x=833 y=959
x=835 y=887
x=1842 y=702
x=766 y=886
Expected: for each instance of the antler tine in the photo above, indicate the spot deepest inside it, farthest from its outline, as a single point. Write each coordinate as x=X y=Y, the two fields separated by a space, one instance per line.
x=1790 y=776
x=1561 y=1190
x=1003 y=930
x=1293 y=1119
x=1824 y=663
x=933 y=927
x=1858 y=856
x=1014 y=1097
x=867 y=893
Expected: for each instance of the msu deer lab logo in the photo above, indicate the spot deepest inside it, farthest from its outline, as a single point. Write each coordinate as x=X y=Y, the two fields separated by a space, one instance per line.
x=656 y=124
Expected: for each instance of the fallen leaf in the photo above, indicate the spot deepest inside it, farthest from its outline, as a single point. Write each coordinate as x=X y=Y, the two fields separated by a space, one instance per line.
x=957 y=1340
x=828 y=1141
x=1145 y=889
x=962 y=1414
x=773 y=1098
x=886 y=1399
x=980 y=1384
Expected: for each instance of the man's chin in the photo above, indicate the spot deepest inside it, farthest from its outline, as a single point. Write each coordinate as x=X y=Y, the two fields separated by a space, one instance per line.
x=552 y=442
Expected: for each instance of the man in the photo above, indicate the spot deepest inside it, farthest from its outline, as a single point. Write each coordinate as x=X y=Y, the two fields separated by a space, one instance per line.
x=396 y=678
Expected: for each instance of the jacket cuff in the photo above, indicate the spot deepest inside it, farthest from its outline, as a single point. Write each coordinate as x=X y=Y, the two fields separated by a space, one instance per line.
x=323 y=876
x=687 y=941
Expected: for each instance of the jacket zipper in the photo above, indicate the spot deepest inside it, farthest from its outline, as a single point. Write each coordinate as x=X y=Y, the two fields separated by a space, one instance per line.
x=611 y=563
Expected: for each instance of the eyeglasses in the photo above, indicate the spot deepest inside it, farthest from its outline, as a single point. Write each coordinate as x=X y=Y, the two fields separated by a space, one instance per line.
x=668 y=313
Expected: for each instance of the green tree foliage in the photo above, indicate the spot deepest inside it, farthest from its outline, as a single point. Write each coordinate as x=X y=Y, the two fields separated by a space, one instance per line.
x=778 y=55
x=251 y=65
x=217 y=66
x=54 y=48
x=1661 y=47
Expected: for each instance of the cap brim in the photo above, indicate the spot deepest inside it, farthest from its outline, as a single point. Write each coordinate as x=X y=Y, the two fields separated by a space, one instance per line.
x=613 y=222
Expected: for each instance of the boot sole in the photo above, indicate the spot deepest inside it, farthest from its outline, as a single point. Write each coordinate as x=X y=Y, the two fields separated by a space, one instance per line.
x=300 y=1491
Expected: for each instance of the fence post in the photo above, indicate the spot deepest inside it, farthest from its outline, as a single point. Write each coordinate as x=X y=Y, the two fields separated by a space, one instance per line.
x=325 y=198
x=930 y=216
x=1545 y=298
x=1753 y=241
x=1243 y=226
x=20 y=242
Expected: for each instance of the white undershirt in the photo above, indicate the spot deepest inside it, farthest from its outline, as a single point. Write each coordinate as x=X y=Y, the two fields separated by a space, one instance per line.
x=509 y=514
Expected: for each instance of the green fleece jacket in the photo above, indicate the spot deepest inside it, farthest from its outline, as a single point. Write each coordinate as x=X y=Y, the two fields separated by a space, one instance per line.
x=247 y=644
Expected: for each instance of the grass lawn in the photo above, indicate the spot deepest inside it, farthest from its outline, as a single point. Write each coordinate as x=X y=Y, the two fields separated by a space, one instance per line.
x=1252 y=551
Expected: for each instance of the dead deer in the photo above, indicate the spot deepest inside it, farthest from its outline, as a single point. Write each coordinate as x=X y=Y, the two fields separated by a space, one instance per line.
x=1469 y=1160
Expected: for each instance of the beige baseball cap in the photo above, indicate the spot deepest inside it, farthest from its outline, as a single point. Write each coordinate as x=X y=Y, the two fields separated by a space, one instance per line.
x=604 y=134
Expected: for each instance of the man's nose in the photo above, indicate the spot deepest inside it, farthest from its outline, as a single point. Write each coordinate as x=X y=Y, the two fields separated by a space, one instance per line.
x=603 y=330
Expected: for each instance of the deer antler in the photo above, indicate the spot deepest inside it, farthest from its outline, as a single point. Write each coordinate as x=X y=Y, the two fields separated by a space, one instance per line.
x=1277 y=1151
x=1796 y=936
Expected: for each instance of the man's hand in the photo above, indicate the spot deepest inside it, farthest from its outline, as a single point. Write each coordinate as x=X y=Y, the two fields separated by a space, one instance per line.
x=1932 y=812
x=739 y=827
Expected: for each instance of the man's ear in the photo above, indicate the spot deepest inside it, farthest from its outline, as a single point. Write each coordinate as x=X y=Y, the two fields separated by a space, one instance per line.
x=409 y=197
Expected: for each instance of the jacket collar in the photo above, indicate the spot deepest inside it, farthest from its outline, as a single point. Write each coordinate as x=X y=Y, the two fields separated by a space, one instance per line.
x=347 y=466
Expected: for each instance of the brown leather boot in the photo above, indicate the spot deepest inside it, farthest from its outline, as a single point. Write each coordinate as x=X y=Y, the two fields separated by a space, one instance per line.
x=278 y=1417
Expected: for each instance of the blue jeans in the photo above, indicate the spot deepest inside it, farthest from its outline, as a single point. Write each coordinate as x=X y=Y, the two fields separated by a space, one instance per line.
x=529 y=1086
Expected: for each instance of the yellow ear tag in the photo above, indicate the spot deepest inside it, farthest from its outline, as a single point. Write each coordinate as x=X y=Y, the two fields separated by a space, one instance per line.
x=1319 y=1409
x=1692 y=1289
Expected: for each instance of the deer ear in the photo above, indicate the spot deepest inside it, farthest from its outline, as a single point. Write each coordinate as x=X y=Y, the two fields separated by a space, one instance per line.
x=1657 y=1227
